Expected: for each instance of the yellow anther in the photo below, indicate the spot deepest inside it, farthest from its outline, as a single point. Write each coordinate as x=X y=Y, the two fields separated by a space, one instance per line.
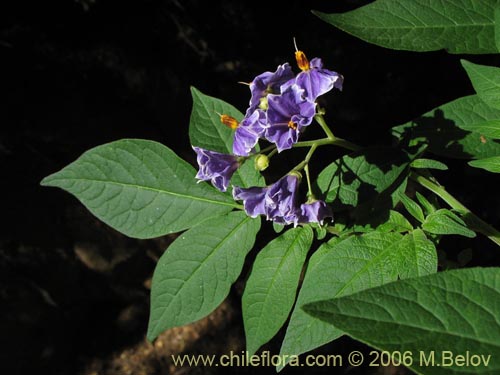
x=292 y=125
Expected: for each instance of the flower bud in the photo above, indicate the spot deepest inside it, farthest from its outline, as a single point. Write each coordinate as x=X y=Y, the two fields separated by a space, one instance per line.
x=296 y=174
x=263 y=104
x=261 y=162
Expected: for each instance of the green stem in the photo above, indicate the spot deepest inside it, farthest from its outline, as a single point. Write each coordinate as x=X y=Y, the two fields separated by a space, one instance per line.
x=270 y=155
x=304 y=162
x=346 y=144
x=327 y=141
x=309 y=187
x=469 y=217
x=268 y=148
x=321 y=121
x=319 y=142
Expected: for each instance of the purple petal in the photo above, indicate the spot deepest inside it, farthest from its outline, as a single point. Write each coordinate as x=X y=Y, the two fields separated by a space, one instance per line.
x=253 y=199
x=277 y=201
x=282 y=136
x=318 y=81
x=269 y=83
x=281 y=200
x=249 y=131
x=287 y=114
x=216 y=167
x=314 y=212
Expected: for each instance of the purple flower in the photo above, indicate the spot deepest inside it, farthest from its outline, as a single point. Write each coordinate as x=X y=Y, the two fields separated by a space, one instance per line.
x=287 y=114
x=247 y=134
x=254 y=199
x=314 y=212
x=277 y=201
x=317 y=81
x=216 y=167
x=269 y=83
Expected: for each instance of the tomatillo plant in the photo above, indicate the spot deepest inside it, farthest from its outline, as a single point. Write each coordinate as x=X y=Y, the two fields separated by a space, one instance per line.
x=372 y=269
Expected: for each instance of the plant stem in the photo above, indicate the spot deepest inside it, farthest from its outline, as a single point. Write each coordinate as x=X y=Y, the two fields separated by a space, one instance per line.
x=308 y=177
x=346 y=144
x=319 y=142
x=469 y=217
x=321 y=121
x=270 y=155
x=268 y=148
x=304 y=162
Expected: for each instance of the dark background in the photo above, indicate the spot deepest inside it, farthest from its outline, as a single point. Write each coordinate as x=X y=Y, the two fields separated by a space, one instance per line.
x=79 y=73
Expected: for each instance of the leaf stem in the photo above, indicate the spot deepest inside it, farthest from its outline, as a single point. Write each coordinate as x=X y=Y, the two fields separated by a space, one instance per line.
x=474 y=222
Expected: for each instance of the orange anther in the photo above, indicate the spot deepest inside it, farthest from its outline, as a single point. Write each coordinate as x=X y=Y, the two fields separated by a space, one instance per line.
x=302 y=60
x=229 y=121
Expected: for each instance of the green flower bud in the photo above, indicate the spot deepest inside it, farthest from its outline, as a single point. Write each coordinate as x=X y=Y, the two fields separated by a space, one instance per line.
x=296 y=174
x=263 y=104
x=261 y=162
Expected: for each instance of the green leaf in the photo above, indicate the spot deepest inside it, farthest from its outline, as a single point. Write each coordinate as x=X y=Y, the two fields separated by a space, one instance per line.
x=205 y=127
x=463 y=26
x=206 y=131
x=497 y=27
x=439 y=316
x=486 y=82
x=417 y=255
x=395 y=222
x=140 y=188
x=428 y=164
x=196 y=272
x=278 y=228
x=412 y=207
x=271 y=288
x=444 y=221
x=428 y=206
x=449 y=129
x=490 y=129
x=377 y=214
x=342 y=267
x=490 y=164
x=320 y=231
x=361 y=177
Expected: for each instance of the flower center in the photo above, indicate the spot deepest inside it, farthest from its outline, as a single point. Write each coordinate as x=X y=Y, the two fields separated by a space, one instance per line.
x=229 y=121
x=292 y=125
x=302 y=61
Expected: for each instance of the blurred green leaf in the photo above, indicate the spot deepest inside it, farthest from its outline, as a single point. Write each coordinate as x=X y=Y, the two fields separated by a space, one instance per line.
x=272 y=286
x=486 y=82
x=490 y=129
x=450 y=131
x=444 y=221
x=362 y=176
x=206 y=131
x=460 y=26
x=489 y=164
x=196 y=272
x=140 y=188
x=396 y=222
x=443 y=315
x=345 y=266
x=412 y=207
x=428 y=164
x=424 y=202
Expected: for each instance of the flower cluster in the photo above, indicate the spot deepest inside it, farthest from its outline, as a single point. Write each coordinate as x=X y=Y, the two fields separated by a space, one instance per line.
x=282 y=104
x=278 y=202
